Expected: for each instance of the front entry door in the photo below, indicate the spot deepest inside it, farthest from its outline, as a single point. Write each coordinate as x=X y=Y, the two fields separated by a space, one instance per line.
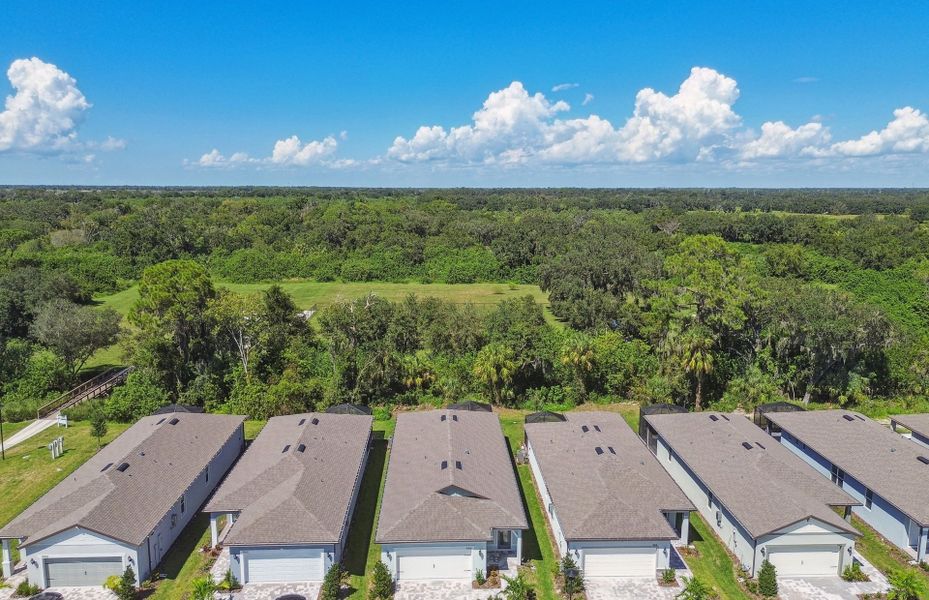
x=504 y=539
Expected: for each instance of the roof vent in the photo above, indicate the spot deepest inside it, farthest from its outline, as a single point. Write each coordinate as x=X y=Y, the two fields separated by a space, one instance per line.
x=714 y=418
x=597 y=427
x=160 y=421
x=458 y=465
x=122 y=468
x=454 y=417
x=923 y=459
x=585 y=428
x=302 y=421
x=859 y=417
x=301 y=448
x=315 y=421
x=108 y=465
x=725 y=417
x=746 y=445
x=848 y=417
x=174 y=421
x=599 y=450
x=444 y=464
x=610 y=448
x=760 y=445
x=443 y=417
x=286 y=448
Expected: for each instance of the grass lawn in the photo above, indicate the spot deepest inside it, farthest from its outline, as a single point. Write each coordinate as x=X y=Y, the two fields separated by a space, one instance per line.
x=886 y=557
x=712 y=564
x=184 y=562
x=10 y=428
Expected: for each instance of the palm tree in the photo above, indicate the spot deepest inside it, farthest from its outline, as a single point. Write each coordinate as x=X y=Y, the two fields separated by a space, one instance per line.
x=696 y=353
x=202 y=588
x=495 y=366
x=694 y=589
x=903 y=586
x=577 y=354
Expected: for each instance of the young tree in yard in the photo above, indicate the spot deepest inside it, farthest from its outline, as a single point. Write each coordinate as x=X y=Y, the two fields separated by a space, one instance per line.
x=767 y=580
x=517 y=588
x=126 y=589
x=98 y=426
x=494 y=367
x=382 y=584
x=695 y=589
x=75 y=332
x=332 y=583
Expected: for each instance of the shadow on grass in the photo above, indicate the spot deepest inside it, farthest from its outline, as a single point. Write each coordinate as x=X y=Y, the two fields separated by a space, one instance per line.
x=187 y=543
x=360 y=532
x=531 y=548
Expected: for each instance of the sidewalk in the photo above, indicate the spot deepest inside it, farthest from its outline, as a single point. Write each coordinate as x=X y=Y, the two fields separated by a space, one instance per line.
x=34 y=428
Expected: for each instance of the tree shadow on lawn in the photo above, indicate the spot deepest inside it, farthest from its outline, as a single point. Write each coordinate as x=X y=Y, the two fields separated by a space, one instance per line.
x=360 y=533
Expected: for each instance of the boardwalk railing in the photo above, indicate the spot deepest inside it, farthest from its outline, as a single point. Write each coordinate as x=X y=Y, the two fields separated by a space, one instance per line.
x=98 y=386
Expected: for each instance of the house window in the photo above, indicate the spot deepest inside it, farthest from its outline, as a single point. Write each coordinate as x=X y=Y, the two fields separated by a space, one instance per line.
x=183 y=505
x=868 y=499
x=551 y=509
x=207 y=474
x=838 y=476
x=709 y=499
x=173 y=520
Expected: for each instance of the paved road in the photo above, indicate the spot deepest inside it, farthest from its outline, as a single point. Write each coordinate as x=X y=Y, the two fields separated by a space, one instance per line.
x=34 y=428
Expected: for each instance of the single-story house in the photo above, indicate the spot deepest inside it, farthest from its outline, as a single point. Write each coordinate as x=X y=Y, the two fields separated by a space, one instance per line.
x=451 y=502
x=128 y=503
x=761 y=500
x=291 y=497
x=887 y=474
x=917 y=424
x=611 y=506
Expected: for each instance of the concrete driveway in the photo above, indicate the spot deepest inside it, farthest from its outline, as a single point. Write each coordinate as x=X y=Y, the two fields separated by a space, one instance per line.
x=615 y=588
x=832 y=588
x=440 y=590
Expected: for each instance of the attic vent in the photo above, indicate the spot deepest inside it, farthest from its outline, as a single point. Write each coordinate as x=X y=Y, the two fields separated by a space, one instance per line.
x=848 y=417
x=859 y=417
x=315 y=421
x=122 y=468
x=585 y=428
x=108 y=465
x=923 y=460
x=714 y=418
x=443 y=417
x=610 y=448
x=599 y=450
x=444 y=464
x=725 y=417
x=160 y=421
x=458 y=465
x=746 y=445
x=174 y=421
x=302 y=421
x=597 y=427
x=301 y=448
x=760 y=446
x=454 y=417
x=286 y=448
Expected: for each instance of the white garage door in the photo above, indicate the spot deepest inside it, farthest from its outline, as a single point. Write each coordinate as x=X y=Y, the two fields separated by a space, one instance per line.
x=620 y=562
x=792 y=561
x=72 y=572
x=283 y=564
x=435 y=563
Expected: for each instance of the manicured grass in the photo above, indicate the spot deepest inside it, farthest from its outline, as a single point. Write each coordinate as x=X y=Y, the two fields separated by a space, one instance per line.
x=184 y=561
x=253 y=428
x=712 y=564
x=887 y=558
x=10 y=428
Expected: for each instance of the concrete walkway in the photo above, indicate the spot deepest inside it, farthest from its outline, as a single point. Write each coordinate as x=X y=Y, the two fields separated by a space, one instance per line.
x=833 y=588
x=32 y=429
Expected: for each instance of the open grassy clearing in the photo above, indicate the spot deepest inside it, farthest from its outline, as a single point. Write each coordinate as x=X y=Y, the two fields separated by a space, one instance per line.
x=885 y=557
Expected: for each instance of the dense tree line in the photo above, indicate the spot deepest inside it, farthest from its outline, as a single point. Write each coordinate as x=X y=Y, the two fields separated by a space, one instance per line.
x=724 y=297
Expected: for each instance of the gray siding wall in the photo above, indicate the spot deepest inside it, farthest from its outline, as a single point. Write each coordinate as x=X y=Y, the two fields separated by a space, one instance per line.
x=548 y=506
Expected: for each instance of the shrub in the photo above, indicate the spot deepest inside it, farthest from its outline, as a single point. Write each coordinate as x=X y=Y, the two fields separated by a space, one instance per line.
x=125 y=589
x=903 y=586
x=26 y=589
x=382 y=584
x=573 y=579
x=202 y=588
x=332 y=583
x=695 y=589
x=479 y=577
x=767 y=580
x=668 y=576
x=229 y=582
x=853 y=572
x=517 y=588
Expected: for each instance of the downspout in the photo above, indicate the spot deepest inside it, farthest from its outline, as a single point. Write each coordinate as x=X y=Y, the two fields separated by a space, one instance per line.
x=754 y=556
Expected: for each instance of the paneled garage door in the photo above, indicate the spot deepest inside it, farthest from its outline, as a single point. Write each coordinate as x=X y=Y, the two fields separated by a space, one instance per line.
x=620 y=562
x=435 y=563
x=792 y=561
x=284 y=564
x=72 y=572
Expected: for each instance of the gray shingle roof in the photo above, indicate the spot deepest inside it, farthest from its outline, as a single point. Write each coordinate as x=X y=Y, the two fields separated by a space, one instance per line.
x=765 y=488
x=288 y=496
x=880 y=459
x=164 y=460
x=419 y=504
x=614 y=496
x=915 y=423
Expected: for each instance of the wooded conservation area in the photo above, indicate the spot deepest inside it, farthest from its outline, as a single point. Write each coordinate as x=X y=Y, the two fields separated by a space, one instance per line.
x=722 y=298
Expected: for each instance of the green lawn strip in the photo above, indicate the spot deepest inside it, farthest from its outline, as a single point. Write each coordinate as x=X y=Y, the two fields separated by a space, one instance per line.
x=537 y=543
x=886 y=557
x=10 y=428
x=253 y=428
x=712 y=564
x=184 y=561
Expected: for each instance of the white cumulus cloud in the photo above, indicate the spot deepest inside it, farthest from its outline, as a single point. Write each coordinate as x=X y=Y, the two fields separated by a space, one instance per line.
x=286 y=152
x=779 y=140
x=44 y=110
x=908 y=132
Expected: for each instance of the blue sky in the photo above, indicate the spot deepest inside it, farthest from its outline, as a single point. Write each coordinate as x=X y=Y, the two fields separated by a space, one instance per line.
x=465 y=93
